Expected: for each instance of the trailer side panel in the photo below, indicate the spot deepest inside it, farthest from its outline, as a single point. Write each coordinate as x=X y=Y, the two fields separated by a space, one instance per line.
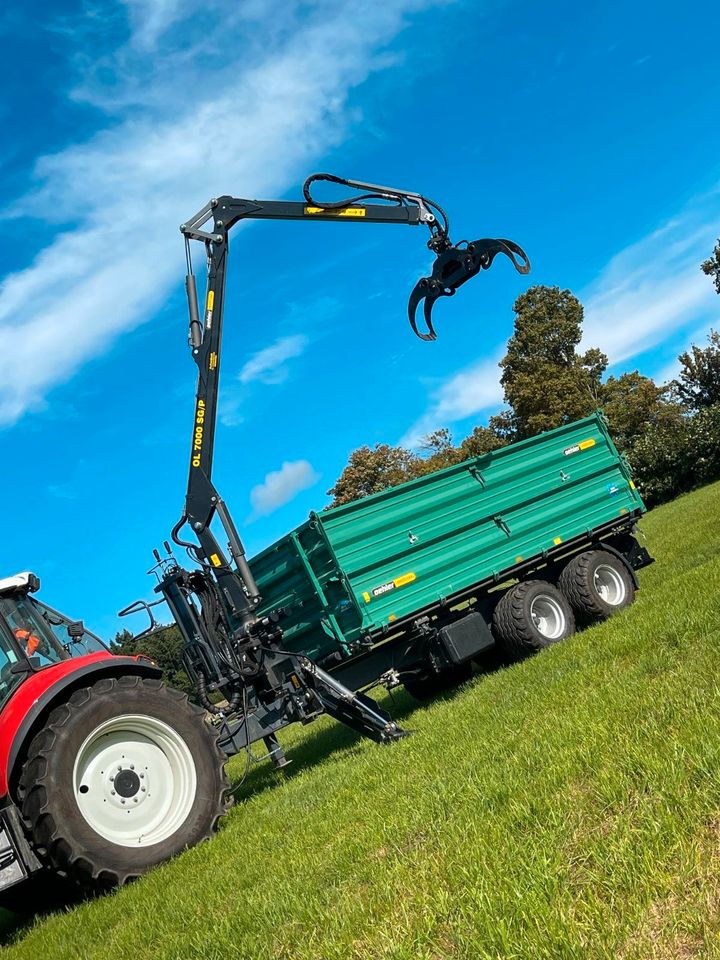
x=381 y=558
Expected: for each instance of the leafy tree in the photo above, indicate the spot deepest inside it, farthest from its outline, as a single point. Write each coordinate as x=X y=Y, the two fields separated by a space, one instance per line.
x=502 y=425
x=546 y=382
x=711 y=266
x=482 y=440
x=437 y=452
x=704 y=431
x=371 y=469
x=633 y=404
x=698 y=385
x=662 y=461
x=164 y=647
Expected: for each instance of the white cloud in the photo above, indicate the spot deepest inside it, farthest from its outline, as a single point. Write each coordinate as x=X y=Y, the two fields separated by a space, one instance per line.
x=281 y=486
x=150 y=19
x=669 y=371
x=654 y=287
x=472 y=390
x=268 y=365
x=243 y=109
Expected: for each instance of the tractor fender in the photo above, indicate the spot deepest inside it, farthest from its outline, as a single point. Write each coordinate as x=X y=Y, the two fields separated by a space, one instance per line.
x=22 y=716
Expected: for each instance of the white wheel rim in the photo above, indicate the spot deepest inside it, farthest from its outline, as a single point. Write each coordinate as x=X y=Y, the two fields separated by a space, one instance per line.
x=134 y=780
x=548 y=617
x=609 y=585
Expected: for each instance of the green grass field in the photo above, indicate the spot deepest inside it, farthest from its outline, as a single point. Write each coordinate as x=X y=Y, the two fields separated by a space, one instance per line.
x=568 y=806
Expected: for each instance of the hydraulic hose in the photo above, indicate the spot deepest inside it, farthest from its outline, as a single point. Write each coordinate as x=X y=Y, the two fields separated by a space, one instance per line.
x=201 y=687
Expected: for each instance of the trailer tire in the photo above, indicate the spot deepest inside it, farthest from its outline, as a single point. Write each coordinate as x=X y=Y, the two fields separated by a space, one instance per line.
x=429 y=685
x=530 y=616
x=96 y=762
x=597 y=584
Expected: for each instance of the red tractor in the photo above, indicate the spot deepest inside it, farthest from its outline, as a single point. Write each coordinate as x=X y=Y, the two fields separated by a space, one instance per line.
x=104 y=771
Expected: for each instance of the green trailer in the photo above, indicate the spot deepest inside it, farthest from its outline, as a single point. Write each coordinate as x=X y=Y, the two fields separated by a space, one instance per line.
x=411 y=584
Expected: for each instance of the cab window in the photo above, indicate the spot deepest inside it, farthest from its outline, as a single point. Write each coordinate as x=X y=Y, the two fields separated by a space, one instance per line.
x=76 y=646
x=9 y=655
x=31 y=631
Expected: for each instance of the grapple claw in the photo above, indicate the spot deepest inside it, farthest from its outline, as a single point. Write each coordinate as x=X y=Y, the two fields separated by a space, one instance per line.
x=423 y=290
x=454 y=265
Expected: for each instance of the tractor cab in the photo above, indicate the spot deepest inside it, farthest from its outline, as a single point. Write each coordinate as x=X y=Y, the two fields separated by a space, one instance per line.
x=33 y=635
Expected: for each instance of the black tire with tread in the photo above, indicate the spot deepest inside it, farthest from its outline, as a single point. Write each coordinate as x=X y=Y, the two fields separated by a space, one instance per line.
x=61 y=836
x=430 y=685
x=577 y=583
x=513 y=624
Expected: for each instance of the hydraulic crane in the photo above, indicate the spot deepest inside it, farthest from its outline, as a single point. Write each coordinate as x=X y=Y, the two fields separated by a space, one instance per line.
x=227 y=646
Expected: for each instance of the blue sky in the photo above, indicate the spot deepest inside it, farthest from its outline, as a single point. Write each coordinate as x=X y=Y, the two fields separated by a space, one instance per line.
x=588 y=133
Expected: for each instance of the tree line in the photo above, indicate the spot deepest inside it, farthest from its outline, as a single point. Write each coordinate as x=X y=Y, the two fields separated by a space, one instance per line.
x=669 y=433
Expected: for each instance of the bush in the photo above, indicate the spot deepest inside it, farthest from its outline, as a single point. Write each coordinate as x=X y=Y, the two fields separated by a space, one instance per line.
x=673 y=457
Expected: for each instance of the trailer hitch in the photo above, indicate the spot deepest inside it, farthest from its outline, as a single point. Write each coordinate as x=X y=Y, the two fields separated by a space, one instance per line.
x=454 y=265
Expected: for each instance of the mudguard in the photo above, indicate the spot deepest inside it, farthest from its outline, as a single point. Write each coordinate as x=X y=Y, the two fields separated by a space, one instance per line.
x=21 y=716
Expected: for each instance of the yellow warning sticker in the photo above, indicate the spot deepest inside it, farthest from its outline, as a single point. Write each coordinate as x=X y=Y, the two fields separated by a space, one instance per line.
x=557 y=540
x=345 y=212
x=577 y=447
x=215 y=560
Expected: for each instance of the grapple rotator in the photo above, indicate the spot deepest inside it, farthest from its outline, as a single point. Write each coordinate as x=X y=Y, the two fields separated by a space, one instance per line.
x=454 y=264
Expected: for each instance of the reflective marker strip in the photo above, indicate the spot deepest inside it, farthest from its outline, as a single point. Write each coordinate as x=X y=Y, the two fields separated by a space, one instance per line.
x=406 y=578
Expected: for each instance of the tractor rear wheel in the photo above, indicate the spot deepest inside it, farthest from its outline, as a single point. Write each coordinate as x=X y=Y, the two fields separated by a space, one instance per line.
x=124 y=775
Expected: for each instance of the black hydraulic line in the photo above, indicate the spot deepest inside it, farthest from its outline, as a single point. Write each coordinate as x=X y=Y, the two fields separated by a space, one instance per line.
x=375 y=192
x=233 y=703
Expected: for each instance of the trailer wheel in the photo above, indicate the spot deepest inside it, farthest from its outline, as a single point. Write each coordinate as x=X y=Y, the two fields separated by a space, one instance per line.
x=428 y=685
x=125 y=775
x=532 y=615
x=597 y=584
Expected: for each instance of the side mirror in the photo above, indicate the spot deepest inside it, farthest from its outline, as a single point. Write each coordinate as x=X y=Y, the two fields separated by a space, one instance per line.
x=76 y=629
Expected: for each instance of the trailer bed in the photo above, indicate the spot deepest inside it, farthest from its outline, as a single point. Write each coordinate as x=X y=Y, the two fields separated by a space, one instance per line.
x=350 y=573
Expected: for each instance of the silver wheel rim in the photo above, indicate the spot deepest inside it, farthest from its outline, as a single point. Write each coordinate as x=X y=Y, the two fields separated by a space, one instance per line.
x=548 y=617
x=609 y=585
x=134 y=780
